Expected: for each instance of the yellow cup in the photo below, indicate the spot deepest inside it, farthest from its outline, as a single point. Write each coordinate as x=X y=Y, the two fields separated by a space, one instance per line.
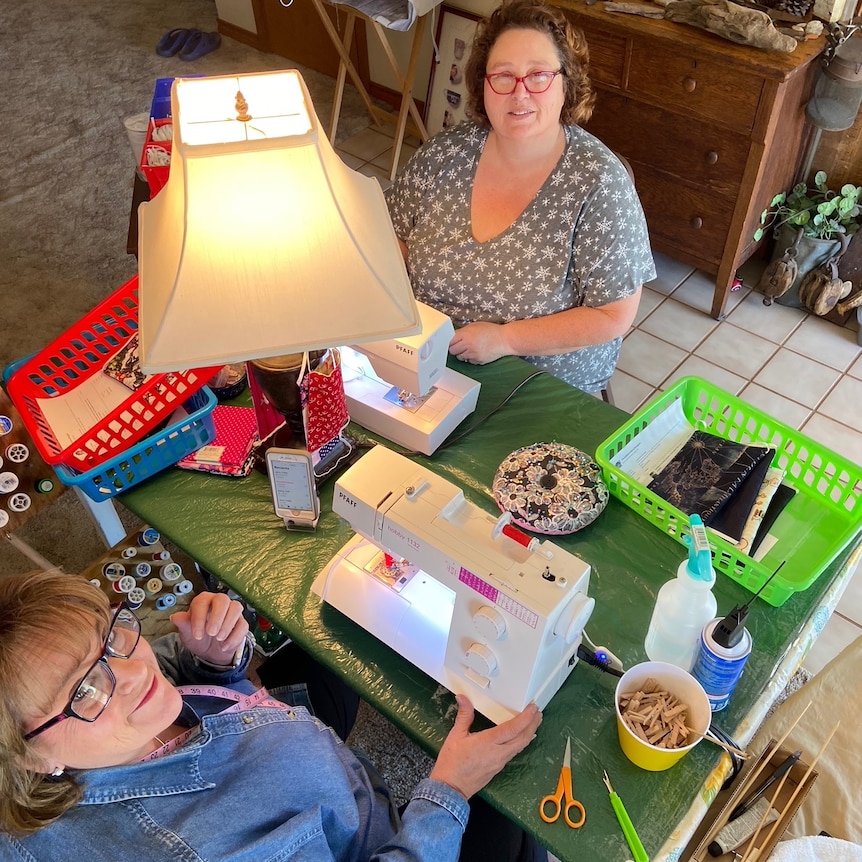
x=676 y=681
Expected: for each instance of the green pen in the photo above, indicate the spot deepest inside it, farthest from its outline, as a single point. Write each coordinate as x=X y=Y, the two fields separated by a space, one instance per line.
x=625 y=823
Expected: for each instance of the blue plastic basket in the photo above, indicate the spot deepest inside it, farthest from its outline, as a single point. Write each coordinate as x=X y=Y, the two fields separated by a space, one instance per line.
x=154 y=453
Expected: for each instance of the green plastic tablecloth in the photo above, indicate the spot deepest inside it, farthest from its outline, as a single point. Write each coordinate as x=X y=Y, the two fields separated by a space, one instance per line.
x=229 y=527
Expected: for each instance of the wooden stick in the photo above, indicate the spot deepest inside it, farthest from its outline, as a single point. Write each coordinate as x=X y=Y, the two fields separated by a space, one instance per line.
x=752 y=776
x=793 y=796
x=726 y=746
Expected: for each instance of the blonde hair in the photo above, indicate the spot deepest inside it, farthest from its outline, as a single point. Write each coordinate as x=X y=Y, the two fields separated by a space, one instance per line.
x=40 y=612
x=569 y=41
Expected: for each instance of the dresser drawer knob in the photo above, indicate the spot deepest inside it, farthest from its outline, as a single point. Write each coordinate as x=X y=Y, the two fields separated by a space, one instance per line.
x=689 y=85
x=697 y=222
x=711 y=157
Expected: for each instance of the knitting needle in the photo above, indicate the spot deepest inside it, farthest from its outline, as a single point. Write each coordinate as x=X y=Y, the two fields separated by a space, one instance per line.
x=754 y=774
x=796 y=791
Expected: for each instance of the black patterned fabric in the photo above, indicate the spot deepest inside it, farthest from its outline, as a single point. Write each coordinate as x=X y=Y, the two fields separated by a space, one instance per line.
x=550 y=488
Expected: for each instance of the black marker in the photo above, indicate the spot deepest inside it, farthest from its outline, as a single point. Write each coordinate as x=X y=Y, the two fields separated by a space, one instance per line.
x=764 y=786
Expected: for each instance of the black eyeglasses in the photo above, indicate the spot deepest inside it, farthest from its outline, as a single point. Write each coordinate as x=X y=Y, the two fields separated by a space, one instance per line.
x=504 y=83
x=96 y=689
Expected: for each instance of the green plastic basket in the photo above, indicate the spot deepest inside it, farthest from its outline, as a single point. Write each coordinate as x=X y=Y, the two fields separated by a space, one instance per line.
x=822 y=518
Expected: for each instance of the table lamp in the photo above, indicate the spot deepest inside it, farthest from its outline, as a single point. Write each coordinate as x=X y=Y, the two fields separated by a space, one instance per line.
x=262 y=242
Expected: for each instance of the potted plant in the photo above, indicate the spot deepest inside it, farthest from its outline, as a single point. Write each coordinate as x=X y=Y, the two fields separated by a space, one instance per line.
x=821 y=212
x=809 y=224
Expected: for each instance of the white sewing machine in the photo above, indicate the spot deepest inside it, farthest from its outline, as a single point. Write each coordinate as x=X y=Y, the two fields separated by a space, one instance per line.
x=401 y=388
x=478 y=605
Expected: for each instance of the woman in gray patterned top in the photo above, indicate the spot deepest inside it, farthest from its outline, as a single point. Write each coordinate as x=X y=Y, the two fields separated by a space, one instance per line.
x=522 y=227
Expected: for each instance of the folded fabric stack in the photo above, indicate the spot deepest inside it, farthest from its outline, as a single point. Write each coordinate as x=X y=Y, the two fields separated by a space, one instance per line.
x=233 y=450
x=729 y=484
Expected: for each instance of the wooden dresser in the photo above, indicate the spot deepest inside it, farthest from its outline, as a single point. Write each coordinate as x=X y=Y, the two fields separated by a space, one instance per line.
x=712 y=129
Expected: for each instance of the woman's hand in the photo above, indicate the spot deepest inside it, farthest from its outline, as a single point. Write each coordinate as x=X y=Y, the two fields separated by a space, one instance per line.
x=468 y=761
x=213 y=628
x=479 y=343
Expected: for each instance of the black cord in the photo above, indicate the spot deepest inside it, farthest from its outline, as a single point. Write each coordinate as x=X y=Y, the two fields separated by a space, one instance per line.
x=735 y=760
x=587 y=655
x=452 y=440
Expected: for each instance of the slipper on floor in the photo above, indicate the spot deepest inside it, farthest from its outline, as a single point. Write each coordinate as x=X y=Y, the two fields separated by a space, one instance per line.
x=199 y=44
x=173 y=41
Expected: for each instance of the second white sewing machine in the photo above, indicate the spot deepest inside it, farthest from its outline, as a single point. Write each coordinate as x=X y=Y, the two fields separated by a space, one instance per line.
x=478 y=605
x=401 y=388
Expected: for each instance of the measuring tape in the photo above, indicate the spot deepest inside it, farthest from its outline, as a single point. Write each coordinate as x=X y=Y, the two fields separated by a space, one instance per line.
x=260 y=697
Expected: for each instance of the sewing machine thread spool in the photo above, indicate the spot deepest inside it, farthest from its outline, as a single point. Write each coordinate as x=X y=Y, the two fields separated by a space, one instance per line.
x=171 y=572
x=142 y=570
x=160 y=556
x=183 y=587
x=96 y=582
x=113 y=571
x=153 y=586
x=168 y=600
x=135 y=598
x=8 y=483
x=124 y=584
x=128 y=553
x=149 y=536
x=516 y=535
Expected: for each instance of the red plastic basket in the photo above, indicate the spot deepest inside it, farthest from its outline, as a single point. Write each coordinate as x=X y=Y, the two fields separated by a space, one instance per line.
x=157 y=175
x=79 y=353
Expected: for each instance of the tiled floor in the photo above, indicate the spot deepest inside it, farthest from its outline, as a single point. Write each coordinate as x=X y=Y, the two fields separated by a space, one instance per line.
x=797 y=367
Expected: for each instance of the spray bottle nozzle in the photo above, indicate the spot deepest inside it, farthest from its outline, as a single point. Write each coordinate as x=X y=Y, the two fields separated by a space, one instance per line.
x=699 y=554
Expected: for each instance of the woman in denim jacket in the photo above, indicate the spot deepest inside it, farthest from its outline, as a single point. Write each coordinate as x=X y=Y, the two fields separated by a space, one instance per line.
x=103 y=758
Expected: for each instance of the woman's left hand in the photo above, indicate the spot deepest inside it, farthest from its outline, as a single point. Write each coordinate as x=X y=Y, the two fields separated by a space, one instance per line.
x=479 y=343
x=213 y=627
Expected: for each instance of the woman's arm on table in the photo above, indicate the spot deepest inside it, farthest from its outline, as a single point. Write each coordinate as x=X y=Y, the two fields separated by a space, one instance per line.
x=561 y=332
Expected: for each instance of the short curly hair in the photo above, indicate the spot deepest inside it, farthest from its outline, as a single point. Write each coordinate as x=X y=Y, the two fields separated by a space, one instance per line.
x=570 y=44
x=39 y=611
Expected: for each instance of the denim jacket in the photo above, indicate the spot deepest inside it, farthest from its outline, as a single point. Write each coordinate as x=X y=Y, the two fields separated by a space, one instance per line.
x=259 y=785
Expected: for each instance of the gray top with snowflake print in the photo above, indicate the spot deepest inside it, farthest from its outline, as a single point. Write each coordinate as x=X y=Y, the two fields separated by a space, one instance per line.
x=581 y=241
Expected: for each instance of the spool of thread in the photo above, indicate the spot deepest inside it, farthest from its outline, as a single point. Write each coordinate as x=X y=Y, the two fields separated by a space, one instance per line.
x=171 y=572
x=113 y=571
x=148 y=536
x=96 y=582
x=135 y=598
x=17 y=453
x=160 y=556
x=168 y=600
x=183 y=587
x=5 y=424
x=128 y=553
x=153 y=586
x=124 y=584
x=142 y=570
x=719 y=668
x=43 y=486
x=4 y=517
x=8 y=483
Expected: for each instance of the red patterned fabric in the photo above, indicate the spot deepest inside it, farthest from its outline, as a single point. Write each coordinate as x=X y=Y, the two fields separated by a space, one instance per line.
x=324 y=405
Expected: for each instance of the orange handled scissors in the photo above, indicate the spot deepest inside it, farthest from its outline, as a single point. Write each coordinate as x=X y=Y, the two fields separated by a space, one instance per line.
x=563 y=801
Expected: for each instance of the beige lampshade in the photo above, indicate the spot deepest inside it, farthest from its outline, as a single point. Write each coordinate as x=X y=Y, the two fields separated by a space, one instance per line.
x=262 y=242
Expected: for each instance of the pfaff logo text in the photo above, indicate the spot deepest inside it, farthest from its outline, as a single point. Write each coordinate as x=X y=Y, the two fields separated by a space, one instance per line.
x=402 y=348
x=349 y=500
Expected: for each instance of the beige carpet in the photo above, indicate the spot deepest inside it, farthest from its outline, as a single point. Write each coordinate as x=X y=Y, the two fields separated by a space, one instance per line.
x=72 y=72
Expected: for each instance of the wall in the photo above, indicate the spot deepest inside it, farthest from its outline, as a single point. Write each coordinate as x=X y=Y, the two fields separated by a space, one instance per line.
x=840 y=155
x=381 y=71
x=240 y=13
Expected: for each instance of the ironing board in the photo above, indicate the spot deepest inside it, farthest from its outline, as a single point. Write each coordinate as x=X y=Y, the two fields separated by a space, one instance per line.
x=381 y=15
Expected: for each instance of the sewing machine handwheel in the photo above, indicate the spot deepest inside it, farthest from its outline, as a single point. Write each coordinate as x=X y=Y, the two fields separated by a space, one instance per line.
x=574 y=617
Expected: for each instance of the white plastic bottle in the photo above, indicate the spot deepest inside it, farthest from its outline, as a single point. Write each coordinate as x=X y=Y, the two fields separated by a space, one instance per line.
x=684 y=605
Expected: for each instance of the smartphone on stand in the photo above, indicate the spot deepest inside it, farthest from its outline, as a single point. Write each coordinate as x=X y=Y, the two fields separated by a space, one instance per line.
x=294 y=493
